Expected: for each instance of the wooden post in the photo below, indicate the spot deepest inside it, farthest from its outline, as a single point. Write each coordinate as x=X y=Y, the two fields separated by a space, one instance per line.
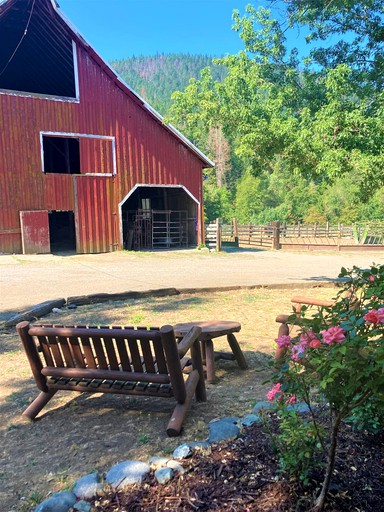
x=218 y=235
x=235 y=231
x=276 y=235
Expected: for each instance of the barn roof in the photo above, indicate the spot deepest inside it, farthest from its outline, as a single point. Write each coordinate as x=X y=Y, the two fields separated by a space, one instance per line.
x=6 y=5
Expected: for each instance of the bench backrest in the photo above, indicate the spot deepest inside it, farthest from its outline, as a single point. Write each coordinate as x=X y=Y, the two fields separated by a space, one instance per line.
x=149 y=355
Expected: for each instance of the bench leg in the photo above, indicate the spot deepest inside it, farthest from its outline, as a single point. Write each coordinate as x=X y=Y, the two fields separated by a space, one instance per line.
x=280 y=352
x=180 y=411
x=237 y=352
x=210 y=361
x=197 y=364
x=39 y=402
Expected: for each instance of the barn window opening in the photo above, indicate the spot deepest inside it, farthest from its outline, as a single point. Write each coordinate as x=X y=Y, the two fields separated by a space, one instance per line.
x=61 y=155
x=62 y=234
x=36 y=54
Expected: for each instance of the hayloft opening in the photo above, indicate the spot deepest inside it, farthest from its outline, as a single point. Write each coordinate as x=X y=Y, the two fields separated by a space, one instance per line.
x=61 y=155
x=36 y=55
x=62 y=233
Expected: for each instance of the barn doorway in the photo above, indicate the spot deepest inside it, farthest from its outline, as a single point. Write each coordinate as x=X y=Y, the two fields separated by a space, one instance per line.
x=155 y=217
x=62 y=232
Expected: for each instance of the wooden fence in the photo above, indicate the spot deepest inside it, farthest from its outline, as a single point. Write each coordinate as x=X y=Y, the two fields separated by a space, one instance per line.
x=296 y=236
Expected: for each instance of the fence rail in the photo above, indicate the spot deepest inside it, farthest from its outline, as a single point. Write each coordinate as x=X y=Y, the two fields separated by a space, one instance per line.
x=306 y=236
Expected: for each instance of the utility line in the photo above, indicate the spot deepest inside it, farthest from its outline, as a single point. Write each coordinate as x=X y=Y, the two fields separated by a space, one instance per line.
x=21 y=40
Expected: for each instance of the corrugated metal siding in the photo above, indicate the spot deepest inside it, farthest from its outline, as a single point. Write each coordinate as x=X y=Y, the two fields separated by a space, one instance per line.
x=95 y=216
x=146 y=153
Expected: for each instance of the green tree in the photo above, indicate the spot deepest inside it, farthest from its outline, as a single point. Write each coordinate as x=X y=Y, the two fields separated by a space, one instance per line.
x=324 y=126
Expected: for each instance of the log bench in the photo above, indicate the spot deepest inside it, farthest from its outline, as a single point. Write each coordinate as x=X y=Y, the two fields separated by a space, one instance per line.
x=148 y=362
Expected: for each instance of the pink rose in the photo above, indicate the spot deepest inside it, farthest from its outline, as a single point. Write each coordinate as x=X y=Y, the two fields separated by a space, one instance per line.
x=371 y=278
x=380 y=315
x=307 y=337
x=298 y=352
x=372 y=316
x=333 y=335
x=291 y=400
x=283 y=341
x=315 y=343
x=276 y=390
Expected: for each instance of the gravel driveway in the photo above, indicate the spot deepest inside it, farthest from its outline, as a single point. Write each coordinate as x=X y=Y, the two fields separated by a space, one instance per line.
x=26 y=280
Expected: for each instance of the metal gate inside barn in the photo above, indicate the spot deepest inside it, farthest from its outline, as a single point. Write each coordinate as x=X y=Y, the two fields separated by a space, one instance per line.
x=156 y=217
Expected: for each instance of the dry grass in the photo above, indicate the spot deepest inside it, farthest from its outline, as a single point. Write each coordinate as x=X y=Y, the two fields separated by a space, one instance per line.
x=81 y=433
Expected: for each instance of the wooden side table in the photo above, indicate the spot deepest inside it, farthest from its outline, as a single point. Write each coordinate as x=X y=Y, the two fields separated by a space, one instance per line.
x=210 y=330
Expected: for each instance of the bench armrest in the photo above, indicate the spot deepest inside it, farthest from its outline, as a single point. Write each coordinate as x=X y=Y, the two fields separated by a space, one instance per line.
x=188 y=340
x=312 y=301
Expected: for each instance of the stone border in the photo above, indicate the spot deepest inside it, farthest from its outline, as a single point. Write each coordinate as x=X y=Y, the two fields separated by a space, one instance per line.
x=161 y=469
x=46 y=307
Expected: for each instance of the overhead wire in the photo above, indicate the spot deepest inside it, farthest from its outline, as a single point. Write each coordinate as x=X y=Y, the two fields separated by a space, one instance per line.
x=21 y=40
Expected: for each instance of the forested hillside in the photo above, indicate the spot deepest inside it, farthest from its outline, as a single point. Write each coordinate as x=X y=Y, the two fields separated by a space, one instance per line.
x=156 y=77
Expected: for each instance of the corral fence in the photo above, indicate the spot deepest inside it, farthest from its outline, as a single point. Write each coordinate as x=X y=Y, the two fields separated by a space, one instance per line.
x=295 y=236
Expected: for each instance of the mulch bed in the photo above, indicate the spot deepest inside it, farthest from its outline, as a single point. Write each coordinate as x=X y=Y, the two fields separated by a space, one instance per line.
x=240 y=476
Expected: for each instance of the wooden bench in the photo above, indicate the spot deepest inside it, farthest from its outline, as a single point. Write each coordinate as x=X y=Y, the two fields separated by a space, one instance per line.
x=126 y=361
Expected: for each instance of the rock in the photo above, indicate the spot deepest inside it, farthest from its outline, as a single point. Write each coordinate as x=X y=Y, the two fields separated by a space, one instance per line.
x=87 y=486
x=176 y=466
x=57 y=310
x=182 y=451
x=126 y=473
x=58 y=502
x=249 y=419
x=82 y=506
x=36 y=312
x=262 y=406
x=228 y=419
x=221 y=430
x=164 y=475
x=300 y=407
x=72 y=306
x=202 y=447
x=158 y=462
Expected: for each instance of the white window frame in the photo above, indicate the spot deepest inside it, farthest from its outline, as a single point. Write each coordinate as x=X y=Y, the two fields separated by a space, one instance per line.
x=81 y=136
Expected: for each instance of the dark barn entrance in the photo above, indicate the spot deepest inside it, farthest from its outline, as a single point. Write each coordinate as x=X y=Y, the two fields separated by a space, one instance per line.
x=62 y=233
x=159 y=218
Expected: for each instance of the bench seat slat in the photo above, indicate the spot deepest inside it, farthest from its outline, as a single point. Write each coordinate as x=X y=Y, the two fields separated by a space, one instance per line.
x=90 y=373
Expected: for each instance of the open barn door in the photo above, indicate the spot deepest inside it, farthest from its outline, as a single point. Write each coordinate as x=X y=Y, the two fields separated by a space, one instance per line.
x=159 y=217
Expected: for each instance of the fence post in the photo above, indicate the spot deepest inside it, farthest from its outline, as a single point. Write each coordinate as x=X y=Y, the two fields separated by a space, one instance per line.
x=218 y=235
x=235 y=231
x=276 y=235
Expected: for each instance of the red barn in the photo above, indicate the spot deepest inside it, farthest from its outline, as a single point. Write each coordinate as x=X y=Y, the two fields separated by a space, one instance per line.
x=85 y=163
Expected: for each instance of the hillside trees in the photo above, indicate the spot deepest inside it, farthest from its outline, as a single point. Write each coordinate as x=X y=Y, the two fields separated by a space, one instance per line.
x=309 y=137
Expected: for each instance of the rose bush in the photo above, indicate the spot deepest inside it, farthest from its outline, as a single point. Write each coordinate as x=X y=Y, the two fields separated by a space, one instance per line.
x=334 y=360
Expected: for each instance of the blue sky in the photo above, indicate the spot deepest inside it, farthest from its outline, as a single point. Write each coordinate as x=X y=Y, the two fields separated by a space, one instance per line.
x=122 y=28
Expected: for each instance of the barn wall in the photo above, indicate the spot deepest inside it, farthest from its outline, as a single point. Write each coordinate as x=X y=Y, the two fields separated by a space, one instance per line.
x=146 y=153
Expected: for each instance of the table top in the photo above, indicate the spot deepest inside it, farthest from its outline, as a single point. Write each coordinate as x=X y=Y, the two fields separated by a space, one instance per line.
x=210 y=328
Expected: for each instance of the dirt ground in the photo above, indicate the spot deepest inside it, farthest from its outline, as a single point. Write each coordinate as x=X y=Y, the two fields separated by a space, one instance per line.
x=77 y=434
